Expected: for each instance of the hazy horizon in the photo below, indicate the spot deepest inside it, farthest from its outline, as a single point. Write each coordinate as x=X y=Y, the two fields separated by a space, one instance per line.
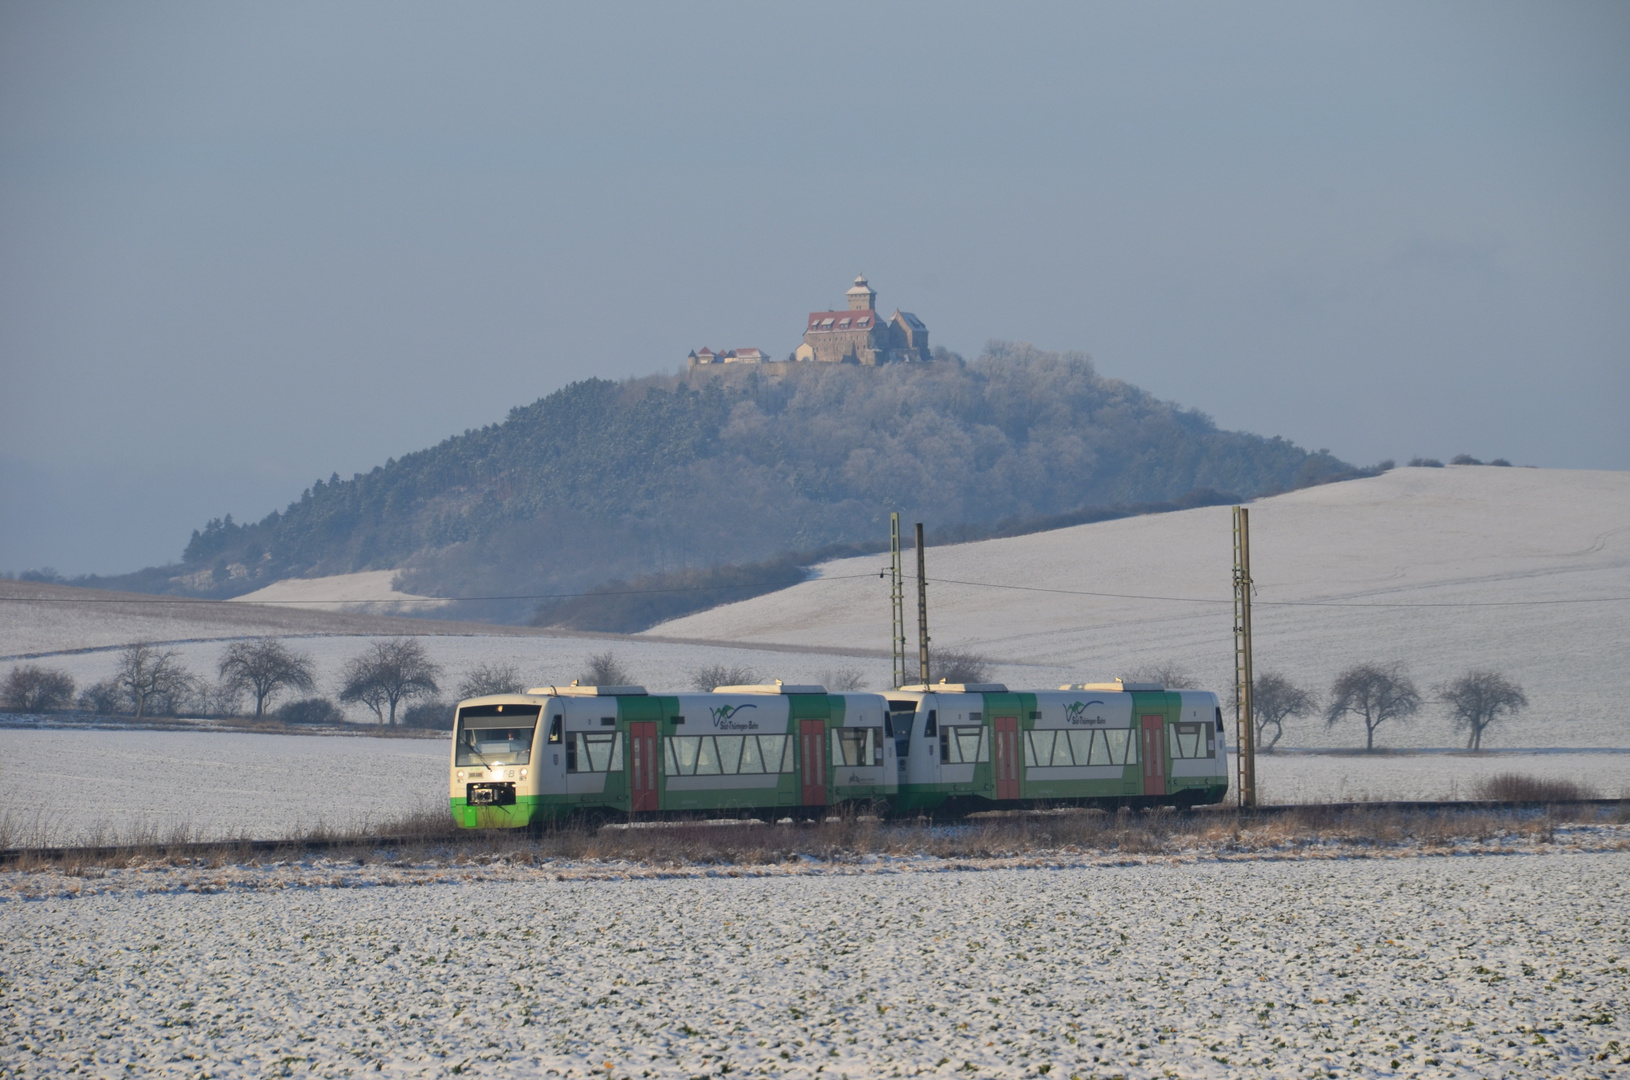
x=245 y=248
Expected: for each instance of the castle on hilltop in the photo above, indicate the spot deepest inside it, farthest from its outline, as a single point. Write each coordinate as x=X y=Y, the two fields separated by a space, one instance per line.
x=856 y=335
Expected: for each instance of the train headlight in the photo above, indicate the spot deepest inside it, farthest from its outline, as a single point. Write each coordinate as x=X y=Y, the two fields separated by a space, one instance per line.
x=461 y=776
x=523 y=774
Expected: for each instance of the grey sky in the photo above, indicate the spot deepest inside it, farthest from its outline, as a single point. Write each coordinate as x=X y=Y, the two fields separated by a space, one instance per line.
x=242 y=247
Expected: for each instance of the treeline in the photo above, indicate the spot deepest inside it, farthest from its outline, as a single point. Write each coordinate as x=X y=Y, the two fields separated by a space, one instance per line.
x=603 y=480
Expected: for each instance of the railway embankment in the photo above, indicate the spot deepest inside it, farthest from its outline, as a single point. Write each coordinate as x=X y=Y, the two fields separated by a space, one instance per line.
x=423 y=849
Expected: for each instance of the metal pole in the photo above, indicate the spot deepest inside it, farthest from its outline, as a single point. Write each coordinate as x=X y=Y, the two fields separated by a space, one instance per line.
x=1244 y=712
x=898 y=597
x=922 y=608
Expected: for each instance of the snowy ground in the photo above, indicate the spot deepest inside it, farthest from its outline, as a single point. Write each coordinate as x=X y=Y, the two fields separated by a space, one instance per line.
x=1513 y=966
x=1430 y=540
x=67 y=787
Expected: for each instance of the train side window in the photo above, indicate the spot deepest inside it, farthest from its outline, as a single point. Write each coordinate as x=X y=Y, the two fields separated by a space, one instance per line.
x=1193 y=741
x=555 y=722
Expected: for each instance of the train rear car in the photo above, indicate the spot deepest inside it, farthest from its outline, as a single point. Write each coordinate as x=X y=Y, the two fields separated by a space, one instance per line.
x=981 y=746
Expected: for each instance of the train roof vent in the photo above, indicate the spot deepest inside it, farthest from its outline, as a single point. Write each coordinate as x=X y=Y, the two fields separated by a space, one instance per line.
x=589 y=691
x=1118 y=686
x=777 y=687
x=957 y=688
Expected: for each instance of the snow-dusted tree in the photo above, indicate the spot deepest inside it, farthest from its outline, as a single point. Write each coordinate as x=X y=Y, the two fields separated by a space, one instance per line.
x=37 y=689
x=1375 y=693
x=484 y=679
x=604 y=669
x=1168 y=673
x=262 y=668
x=1479 y=698
x=842 y=680
x=388 y=674
x=959 y=666
x=150 y=678
x=1273 y=699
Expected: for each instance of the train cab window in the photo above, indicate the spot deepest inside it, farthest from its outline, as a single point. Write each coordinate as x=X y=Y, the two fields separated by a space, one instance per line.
x=932 y=724
x=1219 y=720
x=555 y=723
x=1193 y=741
x=483 y=737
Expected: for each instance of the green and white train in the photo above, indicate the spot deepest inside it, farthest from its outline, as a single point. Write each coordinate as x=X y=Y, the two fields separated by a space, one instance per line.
x=946 y=749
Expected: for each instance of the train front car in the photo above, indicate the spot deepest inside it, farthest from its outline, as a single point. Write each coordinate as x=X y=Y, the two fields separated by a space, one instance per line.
x=980 y=746
x=493 y=781
x=604 y=752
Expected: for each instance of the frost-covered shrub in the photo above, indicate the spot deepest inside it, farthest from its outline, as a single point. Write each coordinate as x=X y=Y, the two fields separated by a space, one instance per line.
x=105 y=698
x=1425 y=463
x=316 y=710
x=37 y=689
x=429 y=715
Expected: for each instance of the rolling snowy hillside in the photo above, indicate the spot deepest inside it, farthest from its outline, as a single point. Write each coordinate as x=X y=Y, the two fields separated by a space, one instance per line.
x=1445 y=569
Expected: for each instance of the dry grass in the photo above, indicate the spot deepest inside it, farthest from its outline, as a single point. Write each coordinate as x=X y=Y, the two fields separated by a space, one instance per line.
x=430 y=837
x=1520 y=787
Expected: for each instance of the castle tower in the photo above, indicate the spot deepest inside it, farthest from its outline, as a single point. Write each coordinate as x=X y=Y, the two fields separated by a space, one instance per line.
x=861 y=297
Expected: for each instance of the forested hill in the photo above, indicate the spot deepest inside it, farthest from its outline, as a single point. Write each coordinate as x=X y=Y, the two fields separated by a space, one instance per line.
x=604 y=480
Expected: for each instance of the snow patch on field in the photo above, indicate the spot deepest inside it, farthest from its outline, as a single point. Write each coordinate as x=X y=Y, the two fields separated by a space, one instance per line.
x=370 y=591
x=1471 y=967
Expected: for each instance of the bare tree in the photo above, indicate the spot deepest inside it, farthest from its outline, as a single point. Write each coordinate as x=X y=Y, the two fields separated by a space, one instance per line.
x=485 y=679
x=1374 y=693
x=705 y=679
x=37 y=689
x=604 y=669
x=264 y=667
x=1477 y=699
x=1171 y=675
x=149 y=677
x=1273 y=699
x=841 y=680
x=388 y=674
x=960 y=666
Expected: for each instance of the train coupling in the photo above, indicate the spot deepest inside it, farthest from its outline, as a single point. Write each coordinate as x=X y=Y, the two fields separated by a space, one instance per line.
x=490 y=794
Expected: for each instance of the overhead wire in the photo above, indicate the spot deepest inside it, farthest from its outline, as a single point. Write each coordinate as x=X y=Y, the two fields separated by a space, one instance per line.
x=823 y=577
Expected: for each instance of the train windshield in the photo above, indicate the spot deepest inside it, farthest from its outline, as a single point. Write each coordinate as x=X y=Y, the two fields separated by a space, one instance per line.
x=495 y=735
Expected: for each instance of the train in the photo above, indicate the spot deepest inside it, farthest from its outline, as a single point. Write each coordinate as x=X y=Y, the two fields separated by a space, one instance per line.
x=602 y=753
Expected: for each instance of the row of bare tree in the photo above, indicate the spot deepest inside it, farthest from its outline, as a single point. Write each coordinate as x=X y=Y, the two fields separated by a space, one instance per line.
x=1375 y=694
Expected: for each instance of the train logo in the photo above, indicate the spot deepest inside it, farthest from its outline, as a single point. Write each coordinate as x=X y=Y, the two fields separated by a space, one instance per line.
x=724 y=718
x=1076 y=713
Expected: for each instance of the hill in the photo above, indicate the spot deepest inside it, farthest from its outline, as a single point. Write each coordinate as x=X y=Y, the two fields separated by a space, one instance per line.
x=602 y=480
x=1445 y=568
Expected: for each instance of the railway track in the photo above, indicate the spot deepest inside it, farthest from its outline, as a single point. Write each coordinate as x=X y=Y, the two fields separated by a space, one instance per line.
x=297 y=846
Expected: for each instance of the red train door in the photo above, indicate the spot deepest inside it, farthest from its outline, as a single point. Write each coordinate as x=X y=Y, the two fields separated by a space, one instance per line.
x=1007 y=757
x=1154 y=755
x=642 y=767
x=812 y=760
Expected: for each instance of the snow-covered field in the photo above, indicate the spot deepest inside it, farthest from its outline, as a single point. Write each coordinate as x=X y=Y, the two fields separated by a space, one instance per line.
x=1445 y=569
x=67 y=787
x=1514 y=966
